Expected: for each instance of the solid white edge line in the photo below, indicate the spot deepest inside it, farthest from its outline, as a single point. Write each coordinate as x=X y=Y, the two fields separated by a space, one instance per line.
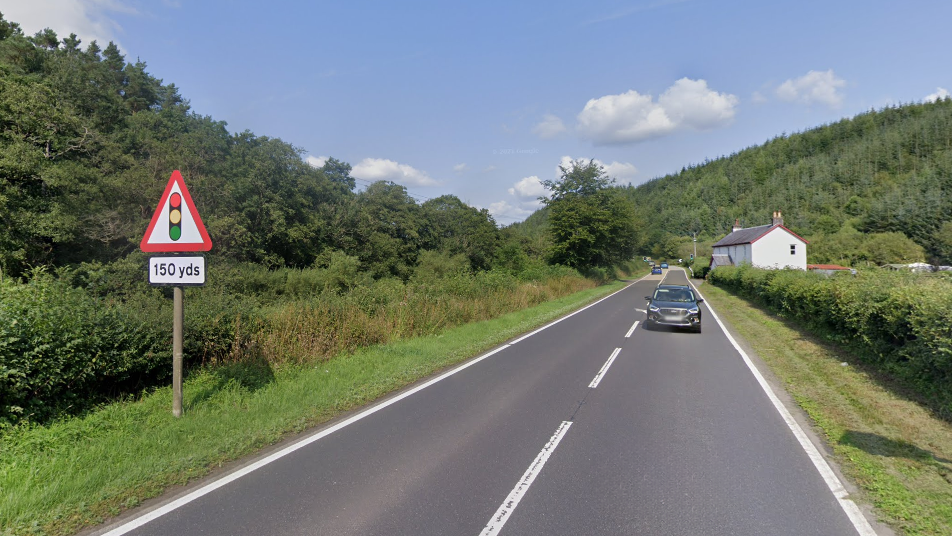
x=593 y=304
x=509 y=505
x=604 y=369
x=860 y=523
x=212 y=486
x=632 y=330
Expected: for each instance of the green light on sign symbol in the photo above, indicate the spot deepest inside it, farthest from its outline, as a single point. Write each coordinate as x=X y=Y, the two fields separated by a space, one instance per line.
x=175 y=216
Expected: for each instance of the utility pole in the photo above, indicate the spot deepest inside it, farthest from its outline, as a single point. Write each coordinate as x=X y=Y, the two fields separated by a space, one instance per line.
x=695 y=243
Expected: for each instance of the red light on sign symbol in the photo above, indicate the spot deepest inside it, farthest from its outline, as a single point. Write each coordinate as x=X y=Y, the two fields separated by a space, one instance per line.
x=175 y=216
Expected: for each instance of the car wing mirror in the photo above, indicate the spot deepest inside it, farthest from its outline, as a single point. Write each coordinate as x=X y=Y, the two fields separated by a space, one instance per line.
x=648 y=298
x=701 y=300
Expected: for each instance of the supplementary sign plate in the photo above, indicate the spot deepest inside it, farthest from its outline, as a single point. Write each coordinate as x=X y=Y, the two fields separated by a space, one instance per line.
x=178 y=271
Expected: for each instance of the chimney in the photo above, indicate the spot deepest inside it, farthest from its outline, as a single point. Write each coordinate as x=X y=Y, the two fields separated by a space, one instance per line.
x=777 y=218
x=737 y=226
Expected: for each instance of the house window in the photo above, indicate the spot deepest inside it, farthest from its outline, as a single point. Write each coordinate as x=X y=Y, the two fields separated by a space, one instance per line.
x=793 y=249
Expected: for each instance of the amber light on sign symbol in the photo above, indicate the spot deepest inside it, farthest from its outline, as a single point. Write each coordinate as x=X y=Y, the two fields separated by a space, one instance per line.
x=175 y=216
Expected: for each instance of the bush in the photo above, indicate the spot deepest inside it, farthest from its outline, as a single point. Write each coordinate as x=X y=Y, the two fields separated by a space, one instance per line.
x=901 y=322
x=62 y=350
x=69 y=343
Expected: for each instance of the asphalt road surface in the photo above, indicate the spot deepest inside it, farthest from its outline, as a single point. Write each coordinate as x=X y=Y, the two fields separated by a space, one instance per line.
x=590 y=426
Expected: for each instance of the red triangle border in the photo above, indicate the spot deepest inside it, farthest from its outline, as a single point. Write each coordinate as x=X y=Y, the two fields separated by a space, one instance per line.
x=204 y=245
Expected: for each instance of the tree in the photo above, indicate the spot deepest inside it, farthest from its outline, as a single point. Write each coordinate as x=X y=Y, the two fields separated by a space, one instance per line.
x=886 y=248
x=339 y=173
x=385 y=230
x=455 y=228
x=591 y=224
x=942 y=243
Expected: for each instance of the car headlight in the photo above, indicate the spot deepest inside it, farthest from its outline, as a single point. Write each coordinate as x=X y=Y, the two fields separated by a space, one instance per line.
x=693 y=310
x=653 y=308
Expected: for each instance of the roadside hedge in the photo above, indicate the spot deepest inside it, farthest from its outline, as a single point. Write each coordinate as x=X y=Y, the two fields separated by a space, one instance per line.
x=900 y=322
x=93 y=332
x=62 y=350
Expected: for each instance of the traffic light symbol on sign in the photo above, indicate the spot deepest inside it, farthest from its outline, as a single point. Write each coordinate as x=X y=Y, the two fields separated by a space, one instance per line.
x=175 y=216
x=175 y=226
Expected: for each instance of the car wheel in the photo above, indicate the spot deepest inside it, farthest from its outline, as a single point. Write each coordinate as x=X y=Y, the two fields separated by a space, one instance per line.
x=649 y=325
x=697 y=328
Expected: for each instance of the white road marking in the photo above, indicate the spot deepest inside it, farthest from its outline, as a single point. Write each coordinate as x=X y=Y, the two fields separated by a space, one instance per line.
x=549 y=325
x=146 y=517
x=632 y=330
x=228 y=479
x=832 y=481
x=641 y=310
x=601 y=373
x=509 y=505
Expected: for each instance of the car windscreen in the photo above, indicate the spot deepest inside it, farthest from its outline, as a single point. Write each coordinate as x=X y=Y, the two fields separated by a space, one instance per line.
x=674 y=295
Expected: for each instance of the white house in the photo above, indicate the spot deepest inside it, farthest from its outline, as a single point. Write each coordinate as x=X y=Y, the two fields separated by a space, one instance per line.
x=767 y=246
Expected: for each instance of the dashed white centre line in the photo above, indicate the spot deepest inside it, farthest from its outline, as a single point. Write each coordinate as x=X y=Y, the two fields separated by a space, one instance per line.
x=632 y=330
x=601 y=373
x=509 y=505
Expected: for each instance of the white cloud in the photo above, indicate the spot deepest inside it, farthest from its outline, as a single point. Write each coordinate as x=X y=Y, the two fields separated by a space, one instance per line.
x=88 y=19
x=489 y=169
x=624 y=118
x=622 y=171
x=550 y=127
x=503 y=210
x=758 y=98
x=459 y=168
x=527 y=192
x=316 y=161
x=814 y=87
x=380 y=169
x=691 y=104
x=528 y=188
x=632 y=117
x=940 y=93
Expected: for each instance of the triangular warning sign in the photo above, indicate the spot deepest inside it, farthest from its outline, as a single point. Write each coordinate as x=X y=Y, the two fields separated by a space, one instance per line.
x=176 y=225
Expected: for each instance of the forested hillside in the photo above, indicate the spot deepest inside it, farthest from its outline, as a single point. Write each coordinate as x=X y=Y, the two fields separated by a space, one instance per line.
x=874 y=188
x=89 y=140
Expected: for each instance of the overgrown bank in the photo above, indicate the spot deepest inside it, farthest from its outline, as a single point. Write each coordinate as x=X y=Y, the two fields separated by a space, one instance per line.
x=98 y=332
x=71 y=473
x=895 y=449
x=900 y=323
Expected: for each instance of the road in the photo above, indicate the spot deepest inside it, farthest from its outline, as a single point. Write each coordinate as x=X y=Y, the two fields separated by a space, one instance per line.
x=586 y=427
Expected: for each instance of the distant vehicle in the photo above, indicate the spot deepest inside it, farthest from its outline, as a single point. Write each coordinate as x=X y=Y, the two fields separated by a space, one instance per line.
x=664 y=265
x=655 y=269
x=674 y=305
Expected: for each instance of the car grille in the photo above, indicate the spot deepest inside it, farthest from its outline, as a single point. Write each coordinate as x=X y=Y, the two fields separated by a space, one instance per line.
x=673 y=312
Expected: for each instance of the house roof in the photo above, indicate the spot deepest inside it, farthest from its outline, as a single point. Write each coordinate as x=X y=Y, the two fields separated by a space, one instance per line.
x=751 y=235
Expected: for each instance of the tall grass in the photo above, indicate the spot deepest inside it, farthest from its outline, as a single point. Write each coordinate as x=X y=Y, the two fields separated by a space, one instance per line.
x=67 y=343
x=71 y=473
x=309 y=330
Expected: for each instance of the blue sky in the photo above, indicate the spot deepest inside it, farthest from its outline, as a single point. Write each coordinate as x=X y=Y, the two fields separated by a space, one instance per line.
x=484 y=100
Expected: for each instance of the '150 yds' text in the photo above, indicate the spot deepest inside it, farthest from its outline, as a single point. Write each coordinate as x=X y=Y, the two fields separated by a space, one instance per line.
x=163 y=269
x=177 y=270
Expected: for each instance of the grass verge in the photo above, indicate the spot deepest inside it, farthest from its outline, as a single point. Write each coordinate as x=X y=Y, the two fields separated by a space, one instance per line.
x=59 y=478
x=894 y=449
